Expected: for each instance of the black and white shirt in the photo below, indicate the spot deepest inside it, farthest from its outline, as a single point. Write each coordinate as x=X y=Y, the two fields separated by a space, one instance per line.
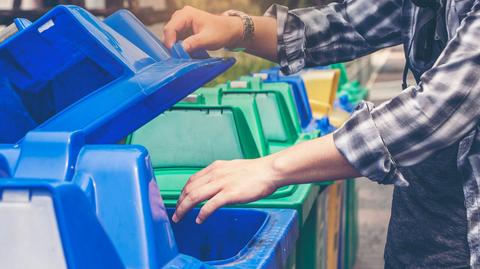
x=443 y=109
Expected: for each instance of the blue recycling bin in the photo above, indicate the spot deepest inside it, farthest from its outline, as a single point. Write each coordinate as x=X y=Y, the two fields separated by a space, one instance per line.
x=298 y=88
x=324 y=126
x=70 y=83
x=68 y=61
x=110 y=215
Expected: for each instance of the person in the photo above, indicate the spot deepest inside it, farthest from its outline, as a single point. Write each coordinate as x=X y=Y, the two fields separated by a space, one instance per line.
x=425 y=141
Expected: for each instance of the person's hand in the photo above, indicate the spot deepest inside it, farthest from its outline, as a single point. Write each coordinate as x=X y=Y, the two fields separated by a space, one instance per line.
x=200 y=29
x=227 y=182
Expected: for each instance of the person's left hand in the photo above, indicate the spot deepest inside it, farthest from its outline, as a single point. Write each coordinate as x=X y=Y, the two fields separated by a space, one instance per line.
x=227 y=182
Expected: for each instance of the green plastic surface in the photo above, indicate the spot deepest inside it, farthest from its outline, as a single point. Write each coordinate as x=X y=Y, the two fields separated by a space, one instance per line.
x=171 y=181
x=271 y=110
x=284 y=89
x=183 y=136
x=248 y=123
x=355 y=92
x=212 y=96
x=276 y=122
x=248 y=104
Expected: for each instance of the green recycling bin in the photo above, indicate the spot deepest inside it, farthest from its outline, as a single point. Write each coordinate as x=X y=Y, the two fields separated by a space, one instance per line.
x=275 y=108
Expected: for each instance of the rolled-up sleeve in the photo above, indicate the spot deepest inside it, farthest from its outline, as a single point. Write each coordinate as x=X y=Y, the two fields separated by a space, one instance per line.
x=422 y=120
x=334 y=33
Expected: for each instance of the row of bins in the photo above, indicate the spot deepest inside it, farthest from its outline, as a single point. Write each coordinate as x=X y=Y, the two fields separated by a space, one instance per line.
x=73 y=86
x=248 y=118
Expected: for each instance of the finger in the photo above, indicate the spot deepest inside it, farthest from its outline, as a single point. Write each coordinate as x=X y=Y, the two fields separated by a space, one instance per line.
x=200 y=178
x=211 y=206
x=193 y=183
x=208 y=169
x=192 y=186
x=181 y=21
x=195 y=42
x=195 y=197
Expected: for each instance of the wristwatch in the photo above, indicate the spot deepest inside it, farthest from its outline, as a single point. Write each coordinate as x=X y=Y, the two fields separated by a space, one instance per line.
x=248 y=26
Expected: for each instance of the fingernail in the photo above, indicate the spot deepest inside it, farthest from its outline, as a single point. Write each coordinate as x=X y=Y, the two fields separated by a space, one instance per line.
x=198 y=220
x=175 y=218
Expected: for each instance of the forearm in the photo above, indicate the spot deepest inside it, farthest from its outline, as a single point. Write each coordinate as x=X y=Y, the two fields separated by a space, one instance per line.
x=312 y=161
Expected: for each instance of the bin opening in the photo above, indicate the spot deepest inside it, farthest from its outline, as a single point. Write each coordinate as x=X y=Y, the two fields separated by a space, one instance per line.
x=222 y=236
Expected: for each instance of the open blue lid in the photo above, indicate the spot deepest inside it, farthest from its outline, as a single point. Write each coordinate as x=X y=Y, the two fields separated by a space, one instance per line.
x=70 y=72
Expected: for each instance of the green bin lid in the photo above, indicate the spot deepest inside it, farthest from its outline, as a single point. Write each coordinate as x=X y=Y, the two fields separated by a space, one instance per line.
x=183 y=136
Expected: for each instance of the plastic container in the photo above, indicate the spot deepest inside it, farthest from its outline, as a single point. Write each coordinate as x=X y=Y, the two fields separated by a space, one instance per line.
x=240 y=238
x=66 y=55
x=355 y=92
x=320 y=236
x=92 y=221
x=298 y=90
x=351 y=230
x=321 y=86
x=256 y=83
x=94 y=206
x=275 y=108
x=324 y=126
x=176 y=155
x=343 y=103
x=338 y=117
x=301 y=198
x=343 y=79
x=335 y=201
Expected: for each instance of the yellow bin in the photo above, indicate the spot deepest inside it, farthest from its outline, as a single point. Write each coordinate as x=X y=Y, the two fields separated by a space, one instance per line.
x=334 y=211
x=321 y=86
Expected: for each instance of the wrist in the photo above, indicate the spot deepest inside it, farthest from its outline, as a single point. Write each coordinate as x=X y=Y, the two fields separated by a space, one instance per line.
x=236 y=37
x=279 y=170
x=244 y=33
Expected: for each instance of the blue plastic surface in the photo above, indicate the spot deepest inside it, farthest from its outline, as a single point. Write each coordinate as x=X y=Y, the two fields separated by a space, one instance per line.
x=343 y=103
x=69 y=80
x=299 y=92
x=52 y=65
x=122 y=212
x=239 y=238
x=324 y=126
x=85 y=242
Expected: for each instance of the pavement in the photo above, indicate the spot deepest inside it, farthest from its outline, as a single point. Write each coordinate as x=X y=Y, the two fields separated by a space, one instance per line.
x=375 y=200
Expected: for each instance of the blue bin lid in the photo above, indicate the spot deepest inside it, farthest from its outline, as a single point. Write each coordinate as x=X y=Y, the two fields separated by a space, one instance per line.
x=70 y=72
x=299 y=92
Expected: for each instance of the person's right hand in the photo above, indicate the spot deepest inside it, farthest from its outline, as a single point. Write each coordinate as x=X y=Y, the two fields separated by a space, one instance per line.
x=202 y=30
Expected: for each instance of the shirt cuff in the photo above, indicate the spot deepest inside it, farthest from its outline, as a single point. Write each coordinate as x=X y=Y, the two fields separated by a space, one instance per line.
x=361 y=144
x=291 y=39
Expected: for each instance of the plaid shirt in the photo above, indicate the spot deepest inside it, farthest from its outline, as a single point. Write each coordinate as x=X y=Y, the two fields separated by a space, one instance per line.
x=442 y=109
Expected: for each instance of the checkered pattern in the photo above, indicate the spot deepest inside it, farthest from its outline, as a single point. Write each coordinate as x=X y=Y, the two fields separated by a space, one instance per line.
x=443 y=109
